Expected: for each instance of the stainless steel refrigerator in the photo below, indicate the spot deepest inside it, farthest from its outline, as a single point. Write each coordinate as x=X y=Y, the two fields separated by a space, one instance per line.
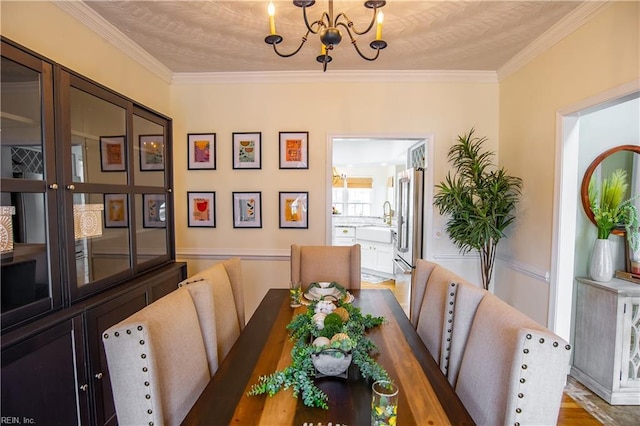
x=410 y=204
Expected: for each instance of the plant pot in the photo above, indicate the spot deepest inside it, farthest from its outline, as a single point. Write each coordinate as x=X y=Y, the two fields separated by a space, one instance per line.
x=331 y=363
x=601 y=265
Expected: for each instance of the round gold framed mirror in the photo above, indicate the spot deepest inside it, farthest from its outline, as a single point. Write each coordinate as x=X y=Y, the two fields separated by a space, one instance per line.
x=615 y=157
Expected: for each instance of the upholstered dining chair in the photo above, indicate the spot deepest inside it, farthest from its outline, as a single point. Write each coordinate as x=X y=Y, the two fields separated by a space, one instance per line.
x=326 y=263
x=219 y=299
x=157 y=362
x=513 y=370
x=441 y=326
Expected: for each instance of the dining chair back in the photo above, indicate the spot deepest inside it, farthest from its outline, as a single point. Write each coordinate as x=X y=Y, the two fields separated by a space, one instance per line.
x=418 y=287
x=217 y=293
x=513 y=370
x=467 y=299
x=434 y=290
x=326 y=263
x=157 y=362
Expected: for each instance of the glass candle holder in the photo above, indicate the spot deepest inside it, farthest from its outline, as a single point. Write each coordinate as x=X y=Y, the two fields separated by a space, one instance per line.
x=295 y=293
x=384 y=403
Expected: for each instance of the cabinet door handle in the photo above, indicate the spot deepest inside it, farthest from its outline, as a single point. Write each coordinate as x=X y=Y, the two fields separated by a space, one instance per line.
x=98 y=376
x=169 y=190
x=53 y=186
x=71 y=187
x=84 y=387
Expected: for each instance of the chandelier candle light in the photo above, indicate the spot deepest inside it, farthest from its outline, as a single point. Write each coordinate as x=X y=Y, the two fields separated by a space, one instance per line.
x=327 y=28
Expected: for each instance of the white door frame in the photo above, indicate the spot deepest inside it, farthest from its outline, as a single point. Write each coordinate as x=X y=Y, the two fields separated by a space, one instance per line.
x=565 y=205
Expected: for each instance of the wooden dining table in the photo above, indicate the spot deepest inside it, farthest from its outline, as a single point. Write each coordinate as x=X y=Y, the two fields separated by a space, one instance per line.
x=425 y=396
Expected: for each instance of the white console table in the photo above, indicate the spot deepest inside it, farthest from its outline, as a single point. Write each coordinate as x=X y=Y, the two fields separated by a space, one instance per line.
x=606 y=339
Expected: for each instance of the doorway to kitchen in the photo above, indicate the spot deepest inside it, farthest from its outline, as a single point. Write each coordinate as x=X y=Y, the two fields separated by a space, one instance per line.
x=362 y=190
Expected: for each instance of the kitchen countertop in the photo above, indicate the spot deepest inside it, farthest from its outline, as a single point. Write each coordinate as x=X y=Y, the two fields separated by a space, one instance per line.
x=359 y=221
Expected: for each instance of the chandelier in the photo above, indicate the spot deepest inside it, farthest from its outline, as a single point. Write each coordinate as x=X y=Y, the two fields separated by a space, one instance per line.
x=327 y=27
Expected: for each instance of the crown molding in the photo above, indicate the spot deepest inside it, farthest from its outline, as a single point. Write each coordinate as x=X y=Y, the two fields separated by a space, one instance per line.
x=389 y=76
x=96 y=23
x=567 y=25
x=87 y=16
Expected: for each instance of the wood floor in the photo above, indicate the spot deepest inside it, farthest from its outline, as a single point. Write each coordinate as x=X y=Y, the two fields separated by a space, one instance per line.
x=571 y=412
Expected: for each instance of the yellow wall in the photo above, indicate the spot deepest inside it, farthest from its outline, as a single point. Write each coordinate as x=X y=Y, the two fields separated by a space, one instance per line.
x=602 y=54
x=49 y=31
x=521 y=111
x=444 y=109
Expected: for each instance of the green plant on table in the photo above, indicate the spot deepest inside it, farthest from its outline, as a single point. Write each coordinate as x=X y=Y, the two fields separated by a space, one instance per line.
x=611 y=210
x=300 y=374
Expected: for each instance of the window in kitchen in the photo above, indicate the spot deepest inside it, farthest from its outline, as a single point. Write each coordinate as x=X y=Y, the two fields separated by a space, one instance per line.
x=353 y=197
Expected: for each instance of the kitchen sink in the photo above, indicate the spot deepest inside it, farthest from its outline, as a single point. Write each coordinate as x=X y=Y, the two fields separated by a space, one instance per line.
x=380 y=234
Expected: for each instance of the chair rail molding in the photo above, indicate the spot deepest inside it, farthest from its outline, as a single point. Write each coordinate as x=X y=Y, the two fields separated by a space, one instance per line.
x=524 y=268
x=242 y=253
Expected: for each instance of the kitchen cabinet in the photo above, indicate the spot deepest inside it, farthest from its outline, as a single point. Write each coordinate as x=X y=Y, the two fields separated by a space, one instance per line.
x=376 y=257
x=606 y=341
x=344 y=235
x=376 y=248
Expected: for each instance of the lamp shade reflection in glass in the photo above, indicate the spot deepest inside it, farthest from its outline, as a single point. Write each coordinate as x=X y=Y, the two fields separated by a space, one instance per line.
x=87 y=220
x=6 y=228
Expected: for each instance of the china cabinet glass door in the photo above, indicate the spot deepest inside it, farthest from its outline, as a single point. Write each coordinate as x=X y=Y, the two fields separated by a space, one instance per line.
x=85 y=201
x=30 y=278
x=96 y=176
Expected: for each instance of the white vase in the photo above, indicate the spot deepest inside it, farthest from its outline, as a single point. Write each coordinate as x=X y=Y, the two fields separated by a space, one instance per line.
x=601 y=266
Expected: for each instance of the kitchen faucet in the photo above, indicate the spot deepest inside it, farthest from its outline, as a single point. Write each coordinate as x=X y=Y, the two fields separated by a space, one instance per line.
x=387 y=216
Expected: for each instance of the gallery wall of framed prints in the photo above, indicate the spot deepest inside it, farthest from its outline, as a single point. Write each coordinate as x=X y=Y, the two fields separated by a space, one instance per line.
x=247 y=147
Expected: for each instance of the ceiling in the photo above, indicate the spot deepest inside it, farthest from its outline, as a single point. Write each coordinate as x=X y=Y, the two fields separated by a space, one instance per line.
x=370 y=152
x=228 y=36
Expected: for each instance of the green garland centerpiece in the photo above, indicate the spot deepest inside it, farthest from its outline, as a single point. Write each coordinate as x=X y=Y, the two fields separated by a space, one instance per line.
x=327 y=328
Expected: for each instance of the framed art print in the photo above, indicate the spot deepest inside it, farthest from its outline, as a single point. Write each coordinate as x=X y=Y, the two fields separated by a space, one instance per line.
x=151 y=152
x=153 y=211
x=247 y=210
x=294 y=211
x=116 y=212
x=247 y=150
x=112 y=154
x=202 y=151
x=202 y=209
x=294 y=150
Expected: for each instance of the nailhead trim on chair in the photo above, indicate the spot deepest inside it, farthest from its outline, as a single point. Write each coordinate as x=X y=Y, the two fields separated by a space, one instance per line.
x=182 y=284
x=451 y=295
x=524 y=367
x=145 y=369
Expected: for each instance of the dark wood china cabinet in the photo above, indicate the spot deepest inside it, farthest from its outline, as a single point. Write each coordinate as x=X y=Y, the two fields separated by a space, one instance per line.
x=86 y=233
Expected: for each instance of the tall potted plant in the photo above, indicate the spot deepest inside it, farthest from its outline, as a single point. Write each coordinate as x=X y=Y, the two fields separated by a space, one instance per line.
x=610 y=210
x=480 y=200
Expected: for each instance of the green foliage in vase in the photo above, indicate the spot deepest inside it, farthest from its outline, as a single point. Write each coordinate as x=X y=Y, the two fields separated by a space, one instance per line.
x=300 y=374
x=480 y=200
x=611 y=210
